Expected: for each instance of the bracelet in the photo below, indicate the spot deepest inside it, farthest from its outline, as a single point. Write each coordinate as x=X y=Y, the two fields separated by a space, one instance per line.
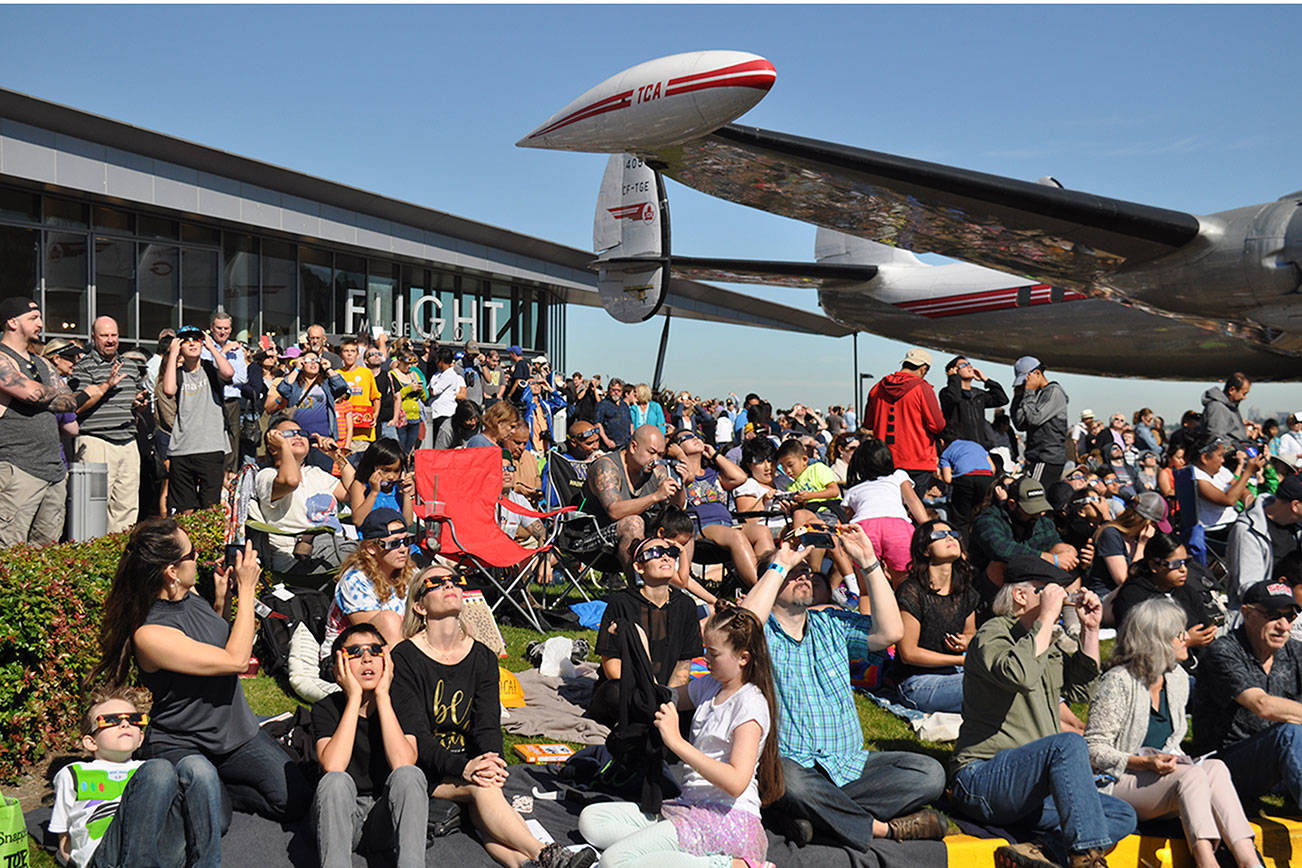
x=779 y=569
x=870 y=567
x=1055 y=560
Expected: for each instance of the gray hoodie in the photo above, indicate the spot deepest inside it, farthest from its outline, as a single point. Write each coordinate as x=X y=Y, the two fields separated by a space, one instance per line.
x=1221 y=416
x=1042 y=417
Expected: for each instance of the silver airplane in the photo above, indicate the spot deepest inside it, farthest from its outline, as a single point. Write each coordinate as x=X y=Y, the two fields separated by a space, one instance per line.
x=1088 y=283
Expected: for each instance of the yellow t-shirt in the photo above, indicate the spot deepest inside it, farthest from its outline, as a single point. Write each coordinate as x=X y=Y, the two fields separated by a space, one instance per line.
x=815 y=477
x=362 y=393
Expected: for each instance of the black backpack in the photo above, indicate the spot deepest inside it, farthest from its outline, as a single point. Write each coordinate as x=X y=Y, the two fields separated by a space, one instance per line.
x=283 y=610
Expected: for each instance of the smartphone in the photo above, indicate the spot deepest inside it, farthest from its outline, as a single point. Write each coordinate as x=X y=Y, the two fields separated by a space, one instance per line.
x=228 y=559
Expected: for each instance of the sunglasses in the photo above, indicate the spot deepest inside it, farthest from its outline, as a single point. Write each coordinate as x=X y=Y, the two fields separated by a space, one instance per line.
x=433 y=583
x=292 y=432
x=685 y=437
x=1175 y=564
x=188 y=556
x=134 y=718
x=941 y=533
x=1079 y=477
x=352 y=652
x=650 y=553
x=397 y=542
x=1276 y=614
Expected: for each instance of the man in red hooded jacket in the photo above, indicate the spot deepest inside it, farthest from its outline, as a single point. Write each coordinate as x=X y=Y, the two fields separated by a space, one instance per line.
x=904 y=413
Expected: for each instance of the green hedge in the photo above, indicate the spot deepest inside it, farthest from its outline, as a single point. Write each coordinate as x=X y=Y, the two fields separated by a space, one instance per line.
x=50 y=602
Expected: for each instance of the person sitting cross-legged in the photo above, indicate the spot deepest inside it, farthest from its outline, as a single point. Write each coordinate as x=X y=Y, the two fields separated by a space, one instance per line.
x=372 y=786
x=1012 y=763
x=836 y=789
x=622 y=487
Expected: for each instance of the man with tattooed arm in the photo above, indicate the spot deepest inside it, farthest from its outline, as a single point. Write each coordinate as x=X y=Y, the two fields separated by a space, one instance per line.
x=623 y=485
x=33 y=481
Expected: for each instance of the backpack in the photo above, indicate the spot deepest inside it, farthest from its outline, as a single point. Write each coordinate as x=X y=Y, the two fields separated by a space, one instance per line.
x=281 y=611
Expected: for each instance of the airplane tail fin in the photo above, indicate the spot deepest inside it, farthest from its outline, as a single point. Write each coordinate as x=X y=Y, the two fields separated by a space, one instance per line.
x=837 y=247
x=630 y=234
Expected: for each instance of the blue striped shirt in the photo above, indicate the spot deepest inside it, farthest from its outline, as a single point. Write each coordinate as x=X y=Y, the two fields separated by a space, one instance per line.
x=817 y=720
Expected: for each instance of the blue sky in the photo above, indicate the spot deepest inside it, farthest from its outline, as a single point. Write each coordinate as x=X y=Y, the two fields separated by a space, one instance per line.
x=1185 y=107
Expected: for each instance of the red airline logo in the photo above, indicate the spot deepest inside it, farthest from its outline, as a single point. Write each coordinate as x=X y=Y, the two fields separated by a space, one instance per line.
x=643 y=211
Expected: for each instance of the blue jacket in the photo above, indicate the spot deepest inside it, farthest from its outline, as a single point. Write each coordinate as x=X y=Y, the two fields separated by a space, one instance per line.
x=334 y=387
x=655 y=415
x=551 y=403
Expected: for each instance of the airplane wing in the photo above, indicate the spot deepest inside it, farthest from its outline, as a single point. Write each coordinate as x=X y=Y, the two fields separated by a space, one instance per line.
x=1066 y=237
x=795 y=275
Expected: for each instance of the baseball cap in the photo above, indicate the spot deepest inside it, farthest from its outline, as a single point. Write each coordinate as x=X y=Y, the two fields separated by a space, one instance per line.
x=540 y=360
x=291 y=352
x=189 y=332
x=917 y=356
x=1028 y=493
x=1033 y=568
x=581 y=429
x=515 y=350
x=1149 y=505
x=16 y=305
x=1290 y=488
x=1059 y=495
x=1087 y=414
x=1024 y=366
x=1270 y=595
x=376 y=524
x=1295 y=417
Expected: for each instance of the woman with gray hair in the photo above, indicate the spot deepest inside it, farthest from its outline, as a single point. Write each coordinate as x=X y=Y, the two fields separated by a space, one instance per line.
x=1136 y=724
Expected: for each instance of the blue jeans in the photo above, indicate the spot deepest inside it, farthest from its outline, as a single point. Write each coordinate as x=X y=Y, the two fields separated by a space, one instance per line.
x=1262 y=762
x=169 y=816
x=892 y=783
x=259 y=777
x=406 y=436
x=934 y=692
x=1048 y=784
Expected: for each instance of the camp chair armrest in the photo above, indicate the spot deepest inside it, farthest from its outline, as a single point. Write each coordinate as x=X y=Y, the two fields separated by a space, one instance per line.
x=511 y=506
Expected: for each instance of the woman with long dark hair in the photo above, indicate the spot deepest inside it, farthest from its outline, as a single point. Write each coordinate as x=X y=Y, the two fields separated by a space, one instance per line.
x=465 y=424
x=1166 y=570
x=190 y=658
x=938 y=607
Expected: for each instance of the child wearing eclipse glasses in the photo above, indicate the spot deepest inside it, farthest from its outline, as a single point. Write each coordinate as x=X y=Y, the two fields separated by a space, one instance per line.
x=115 y=811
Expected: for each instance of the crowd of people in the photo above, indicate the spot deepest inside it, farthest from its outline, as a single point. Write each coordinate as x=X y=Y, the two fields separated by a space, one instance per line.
x=989 y=549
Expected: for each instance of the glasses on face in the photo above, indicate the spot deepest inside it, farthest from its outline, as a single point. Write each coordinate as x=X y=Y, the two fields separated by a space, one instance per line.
x=352 y=652
x=1175 y=564
x=433 y=583
x=942 y=532
x=650 y=553
x=1093 y=498
x=134 y=718
x=292 y=432
x=685 y=436
x=188 y=556
x=1077 y=477
x=396 y=542
x=965 y=364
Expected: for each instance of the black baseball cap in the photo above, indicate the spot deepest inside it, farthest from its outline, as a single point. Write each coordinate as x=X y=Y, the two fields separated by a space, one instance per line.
x=1271 y=594
x=1290 y=488
x=1033 y=568
x=377 y=521
x=187 y=332
x=14 y=306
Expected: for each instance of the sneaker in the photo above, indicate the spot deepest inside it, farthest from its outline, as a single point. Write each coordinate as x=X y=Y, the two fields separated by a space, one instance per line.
x=580 y=651
x=1023 y=856
x=556 y=855
x=925 y=825
x=533 y=653
x=1092 y=858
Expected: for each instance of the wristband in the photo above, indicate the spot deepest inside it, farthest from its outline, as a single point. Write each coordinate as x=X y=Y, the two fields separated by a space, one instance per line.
x=1055 y=560
x=874 y=565
x=779 y=569
x=80 y=397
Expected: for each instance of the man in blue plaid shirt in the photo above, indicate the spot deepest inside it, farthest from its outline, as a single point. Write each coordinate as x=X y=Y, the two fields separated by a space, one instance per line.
x=835 y=788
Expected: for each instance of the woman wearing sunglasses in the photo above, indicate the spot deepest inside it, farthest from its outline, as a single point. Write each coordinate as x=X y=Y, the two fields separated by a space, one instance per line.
x=1167 y=571
x=1120 y=543
x=445 y=693
x=373 y=580
x=369 y=762
x=938 y=606
x=190 y=658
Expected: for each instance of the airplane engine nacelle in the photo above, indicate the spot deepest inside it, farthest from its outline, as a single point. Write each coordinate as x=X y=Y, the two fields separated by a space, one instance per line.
x=659 y=103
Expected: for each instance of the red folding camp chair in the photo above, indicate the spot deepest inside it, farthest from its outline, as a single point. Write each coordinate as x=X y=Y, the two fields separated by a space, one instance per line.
x=457 y=493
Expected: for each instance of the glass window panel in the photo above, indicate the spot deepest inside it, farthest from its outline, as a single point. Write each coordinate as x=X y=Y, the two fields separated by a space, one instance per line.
x=349 y=278
x=17 y=205
x=115 y=283
x=316 y=276
x=416 y=283
x=61 y=212
x=381 y=284
x=445 y=285
x=111 y=219
x=537 y=309
x=65 y=284
x=199 y=289
x=159 y=288
x=156 y=227
x=240 y=278
x=19 y=251
x=196 y=234
x=279 y=292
